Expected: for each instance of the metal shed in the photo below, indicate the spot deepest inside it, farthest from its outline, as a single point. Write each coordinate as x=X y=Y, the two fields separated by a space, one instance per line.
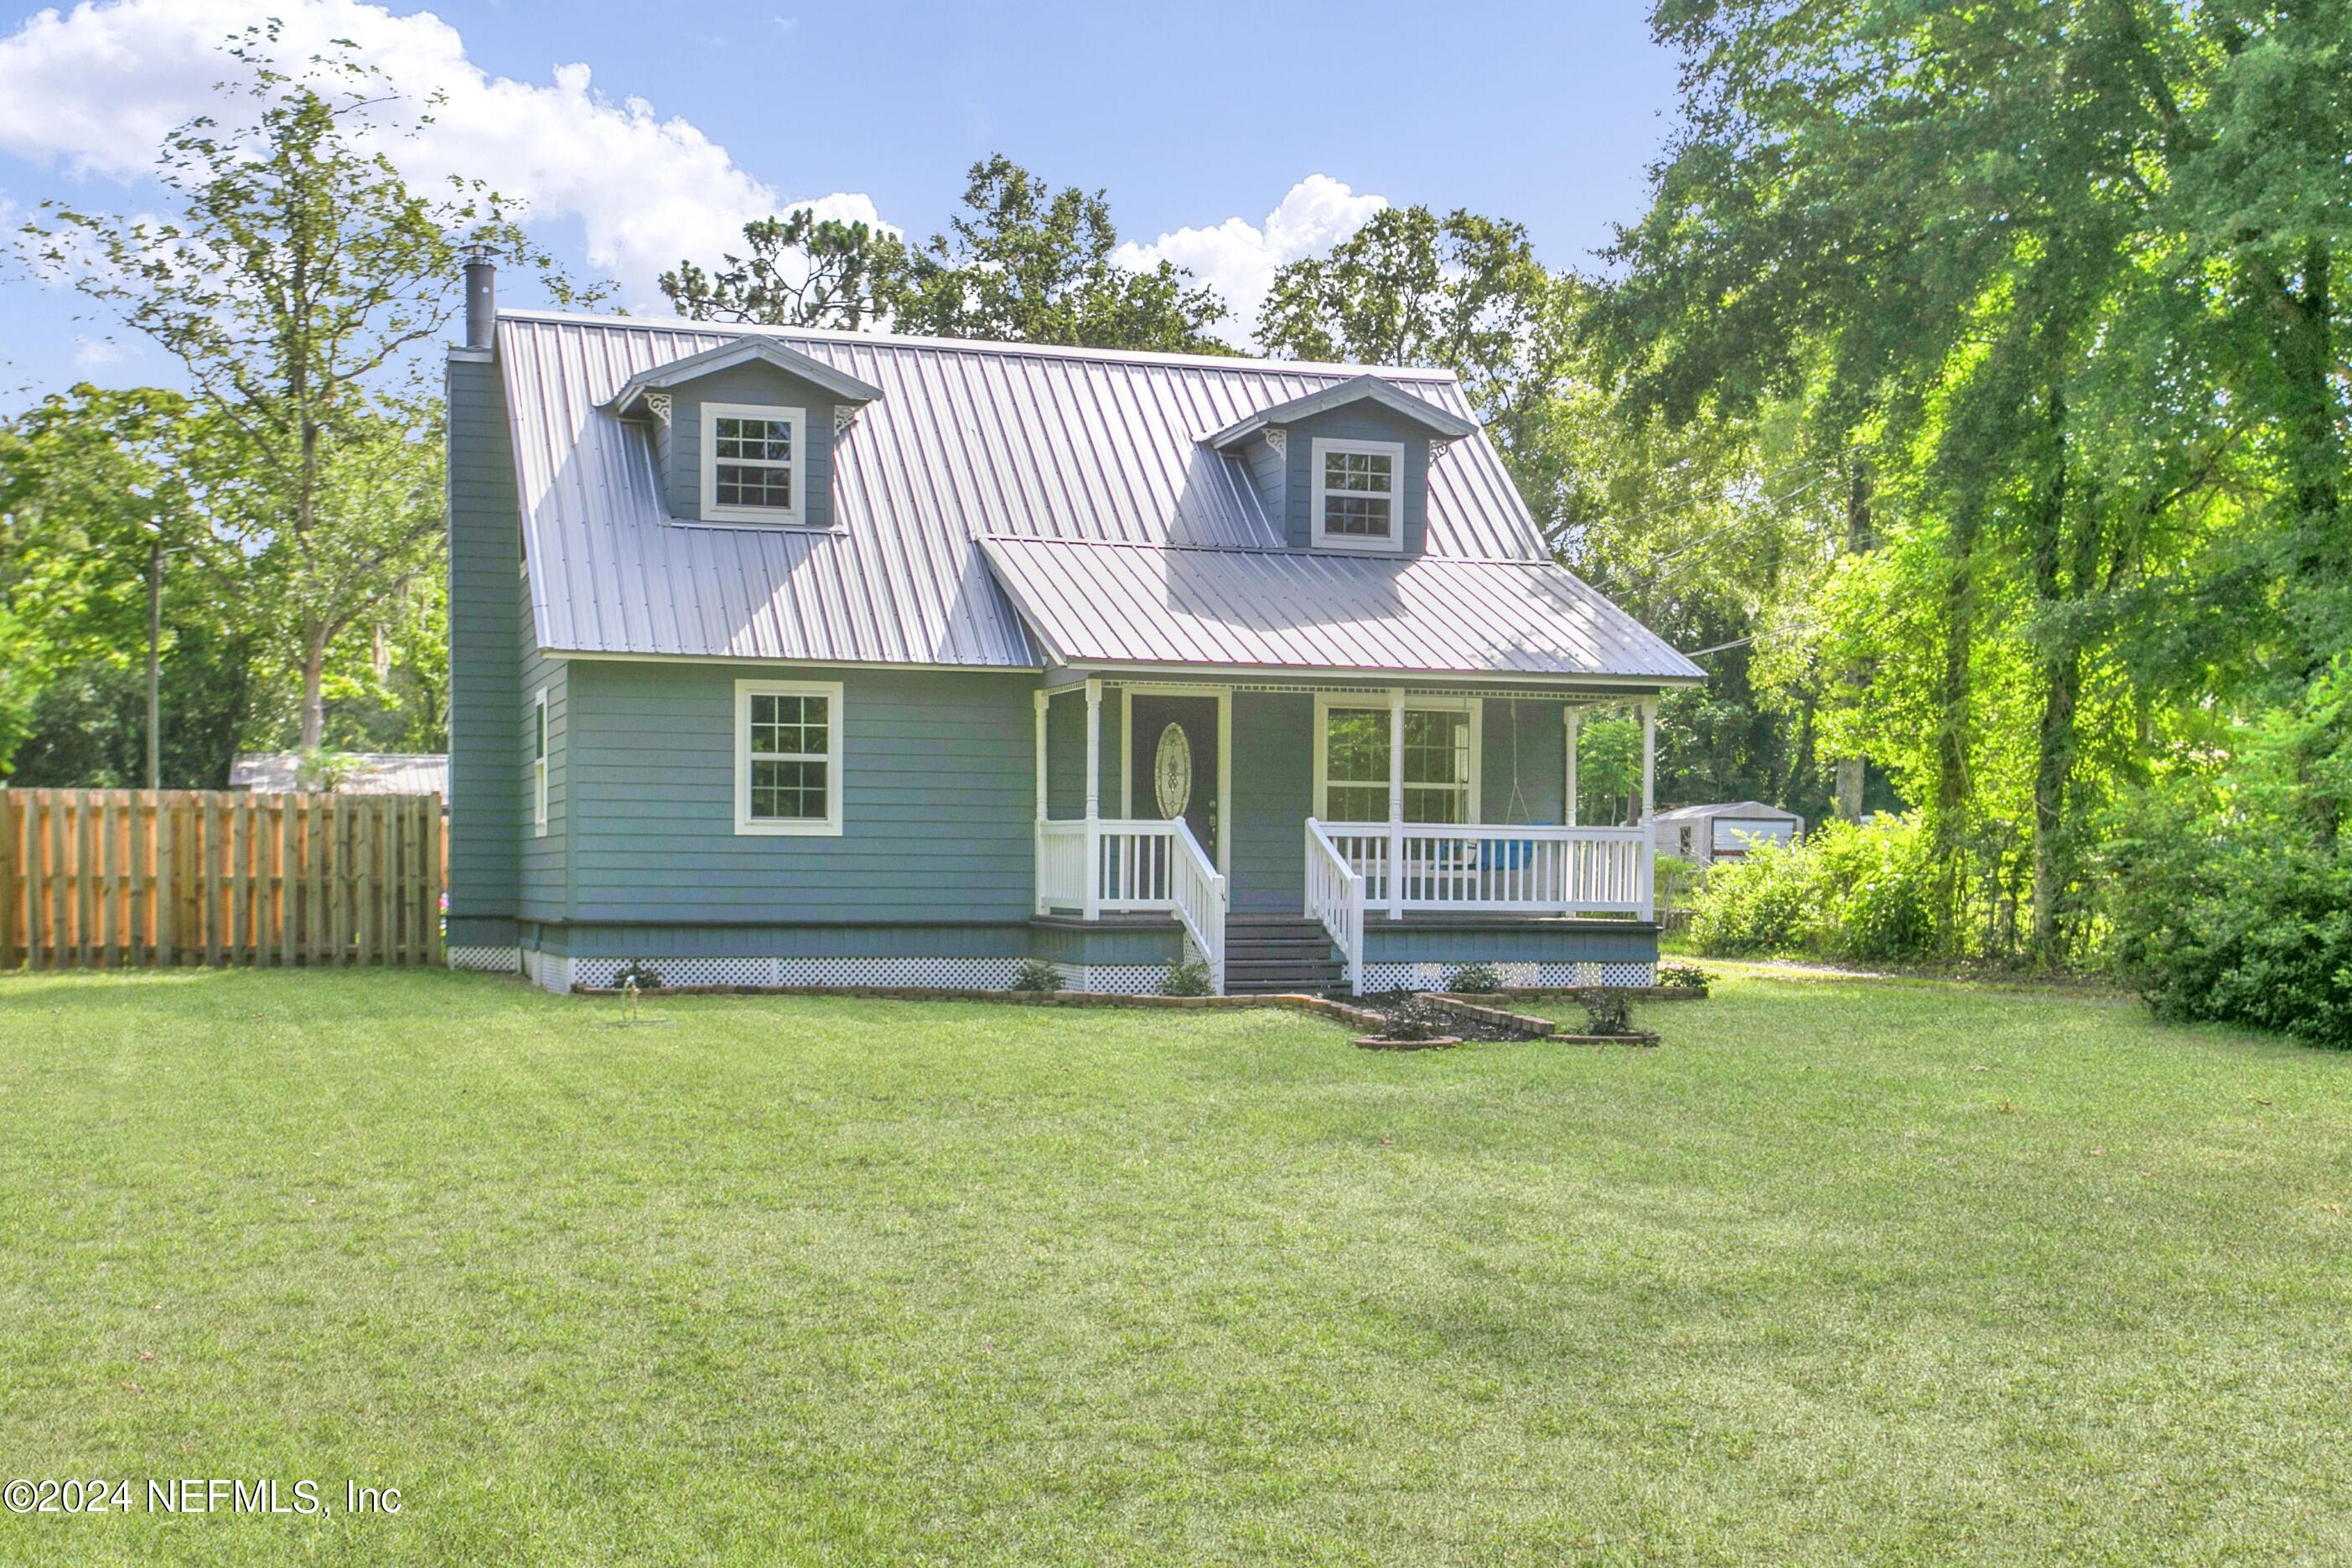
x=1724 y=831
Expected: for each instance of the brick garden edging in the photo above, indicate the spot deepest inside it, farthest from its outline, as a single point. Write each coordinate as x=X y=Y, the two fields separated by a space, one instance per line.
x=1527 y=1024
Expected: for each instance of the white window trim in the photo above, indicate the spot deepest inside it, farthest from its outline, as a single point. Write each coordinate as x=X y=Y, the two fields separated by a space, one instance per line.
x=1326 y=701
x=745 y=823
x=542 y=743
x=712 y=412
x=1391 y=450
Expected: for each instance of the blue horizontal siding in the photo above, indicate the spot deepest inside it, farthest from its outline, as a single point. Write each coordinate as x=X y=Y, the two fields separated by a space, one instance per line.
x=938 y=790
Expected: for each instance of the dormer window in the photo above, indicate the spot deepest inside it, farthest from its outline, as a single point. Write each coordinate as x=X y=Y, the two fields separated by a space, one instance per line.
x=1357 y=494
x=753 y=467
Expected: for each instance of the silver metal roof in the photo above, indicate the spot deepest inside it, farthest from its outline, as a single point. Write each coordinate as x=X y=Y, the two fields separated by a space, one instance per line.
x=1725 y=808
x=1012 y=442
x=1096 y=603
x=372 y=773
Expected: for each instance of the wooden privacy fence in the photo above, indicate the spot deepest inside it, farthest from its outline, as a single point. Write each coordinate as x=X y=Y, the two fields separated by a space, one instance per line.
x=105 y=879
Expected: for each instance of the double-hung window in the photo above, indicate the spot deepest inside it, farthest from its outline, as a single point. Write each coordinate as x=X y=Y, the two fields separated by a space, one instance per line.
x=752 y=461
x=538 y=762
x=1440 y=762
x=788 y=756
x=1358 y=490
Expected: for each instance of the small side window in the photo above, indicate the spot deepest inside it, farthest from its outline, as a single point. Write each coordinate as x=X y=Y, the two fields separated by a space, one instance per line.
x=538 y=762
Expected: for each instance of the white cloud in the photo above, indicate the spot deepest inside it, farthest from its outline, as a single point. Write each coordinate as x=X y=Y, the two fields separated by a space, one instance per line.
x=95 y=89
x=1239 y=258
x=96 y=352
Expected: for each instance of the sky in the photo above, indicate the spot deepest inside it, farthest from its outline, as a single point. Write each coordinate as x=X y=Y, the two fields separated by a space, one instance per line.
x=1229 y=138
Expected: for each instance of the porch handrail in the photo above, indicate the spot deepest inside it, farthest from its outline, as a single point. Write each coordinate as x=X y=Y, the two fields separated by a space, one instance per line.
x=1198 y=894
x=1143 y=865
x=1497 y=867
x=1335 y=895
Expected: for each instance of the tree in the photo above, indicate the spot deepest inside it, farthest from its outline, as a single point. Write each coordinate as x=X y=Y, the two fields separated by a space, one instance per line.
x=89 y=480
x=296 y=284
x=1024 y=263
x=803 y=271
x=1409 y=287
x=2060 y=276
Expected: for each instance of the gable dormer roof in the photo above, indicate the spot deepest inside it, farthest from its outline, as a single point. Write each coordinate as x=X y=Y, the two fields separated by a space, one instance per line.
x=1359 y=389
x=846 y=388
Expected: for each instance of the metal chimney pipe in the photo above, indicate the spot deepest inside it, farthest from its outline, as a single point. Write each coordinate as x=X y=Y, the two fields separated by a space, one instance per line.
x=481 y=296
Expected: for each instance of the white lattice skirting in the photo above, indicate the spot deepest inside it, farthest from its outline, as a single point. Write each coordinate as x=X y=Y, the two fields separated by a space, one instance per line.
x=1425 y=976
x=547 y=970
x=486 y=960
x=914 y=974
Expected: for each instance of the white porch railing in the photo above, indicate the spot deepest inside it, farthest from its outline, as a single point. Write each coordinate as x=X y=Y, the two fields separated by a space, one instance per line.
x=1335 y=895
x=1496 y=869
x=1137 y=866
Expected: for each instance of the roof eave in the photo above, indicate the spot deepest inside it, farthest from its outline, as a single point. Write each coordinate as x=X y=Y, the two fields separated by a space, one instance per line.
x=1361 y=388
x=846 y=388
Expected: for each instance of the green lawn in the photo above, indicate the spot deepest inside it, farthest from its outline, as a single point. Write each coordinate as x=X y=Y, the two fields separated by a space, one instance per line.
x=1844 y=1272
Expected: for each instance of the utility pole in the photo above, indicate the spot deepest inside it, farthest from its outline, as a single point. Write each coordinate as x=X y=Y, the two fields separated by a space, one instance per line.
x=154 y=665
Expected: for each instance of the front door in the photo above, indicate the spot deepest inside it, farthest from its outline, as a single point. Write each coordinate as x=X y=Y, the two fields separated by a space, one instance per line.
x=1172 y=764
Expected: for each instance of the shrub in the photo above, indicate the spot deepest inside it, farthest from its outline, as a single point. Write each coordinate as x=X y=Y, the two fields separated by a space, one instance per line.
x=1851 y=890
x=1607 y=1014
x=1188 y=978
x=1474 y=979
x=638 y=972
x=1756 y=905
x=1036 y=975
x=1682 y=977
x=2231 y=896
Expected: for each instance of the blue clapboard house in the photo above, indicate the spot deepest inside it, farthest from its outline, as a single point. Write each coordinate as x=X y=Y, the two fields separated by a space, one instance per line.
x=797 y=657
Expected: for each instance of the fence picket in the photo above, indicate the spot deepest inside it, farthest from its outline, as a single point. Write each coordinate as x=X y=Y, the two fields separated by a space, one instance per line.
x=122 y=879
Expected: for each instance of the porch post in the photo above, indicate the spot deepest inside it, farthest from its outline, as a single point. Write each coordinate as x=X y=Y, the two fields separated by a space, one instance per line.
x=1574 y=716
x=1396 y=803
x=1649 y=795
x=1094 y=800
x=1039 y=699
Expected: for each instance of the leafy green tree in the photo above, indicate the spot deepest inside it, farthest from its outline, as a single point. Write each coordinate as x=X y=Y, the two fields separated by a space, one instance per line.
x=89 y=480
x=297 y=285
x=803 y=271
x=1024 y=262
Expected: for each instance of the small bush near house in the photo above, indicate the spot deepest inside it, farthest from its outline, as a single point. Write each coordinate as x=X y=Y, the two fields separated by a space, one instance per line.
x=1474 y=979
x=1682 y=977
x=639 y=973
x=1188 y=978
x=1606 y=1014
x=1851 y=890
x=1036 y=975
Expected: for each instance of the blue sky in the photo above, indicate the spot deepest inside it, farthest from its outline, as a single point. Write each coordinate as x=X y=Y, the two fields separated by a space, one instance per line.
x=1230 y=137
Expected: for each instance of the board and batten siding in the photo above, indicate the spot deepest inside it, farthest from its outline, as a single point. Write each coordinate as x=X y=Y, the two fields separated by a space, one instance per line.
x=486 y=605
x=938 y=787
x=678 y=445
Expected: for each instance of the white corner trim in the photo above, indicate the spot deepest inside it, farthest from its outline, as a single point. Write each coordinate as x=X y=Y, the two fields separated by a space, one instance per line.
x=829 y=826
x=708 y=462
x=1278 y=439
x=658 y=405
x=1391 y=450
x=844 y=415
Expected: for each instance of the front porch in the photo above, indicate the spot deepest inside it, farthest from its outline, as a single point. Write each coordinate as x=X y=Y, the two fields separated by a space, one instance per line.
x=1464 y=866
